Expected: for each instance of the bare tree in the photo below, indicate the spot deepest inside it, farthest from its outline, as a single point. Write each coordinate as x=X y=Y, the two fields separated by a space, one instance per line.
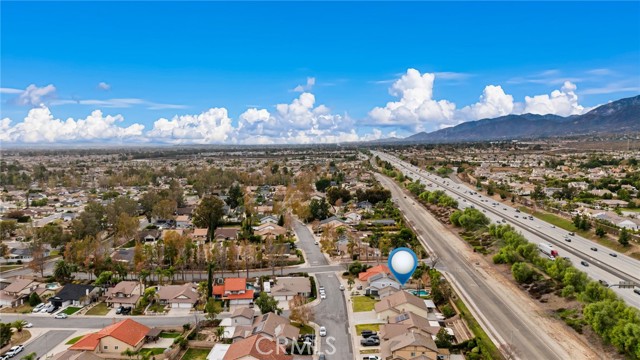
x=300 y=312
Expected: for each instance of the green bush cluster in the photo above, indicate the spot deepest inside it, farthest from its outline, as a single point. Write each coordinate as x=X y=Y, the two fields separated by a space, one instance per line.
x=470 y=219
x=439 y=198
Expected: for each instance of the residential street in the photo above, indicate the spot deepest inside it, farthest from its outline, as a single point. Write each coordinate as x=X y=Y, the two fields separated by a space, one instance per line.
x=332 y=311
x=513 y=318
x=46 y=342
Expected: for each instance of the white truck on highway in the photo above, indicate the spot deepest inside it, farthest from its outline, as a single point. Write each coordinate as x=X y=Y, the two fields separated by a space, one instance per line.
x=548 y=250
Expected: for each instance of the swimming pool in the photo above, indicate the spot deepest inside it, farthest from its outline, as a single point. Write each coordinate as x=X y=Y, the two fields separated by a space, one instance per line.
x=419 y=292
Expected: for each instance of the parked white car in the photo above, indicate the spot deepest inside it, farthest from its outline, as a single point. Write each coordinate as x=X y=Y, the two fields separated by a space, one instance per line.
x=323 y=331
x=61 y=316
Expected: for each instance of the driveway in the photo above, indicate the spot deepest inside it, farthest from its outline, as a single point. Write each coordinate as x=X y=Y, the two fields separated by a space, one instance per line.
x=332 y=314
x=46 y=342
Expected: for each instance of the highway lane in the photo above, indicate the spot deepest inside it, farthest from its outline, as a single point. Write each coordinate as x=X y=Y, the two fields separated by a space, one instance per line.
x=507 y=324
x=602 y=265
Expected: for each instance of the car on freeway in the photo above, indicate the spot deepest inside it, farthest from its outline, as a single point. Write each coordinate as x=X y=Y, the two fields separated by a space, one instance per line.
x=613 y=254
x=323 y=331
x=637 y=291
x=567 y=239
x=61 y=316
x=572 y=233
x=369 y=342
x=584 y=263
x=553 y=226
x=603 y=283
x=594 y=249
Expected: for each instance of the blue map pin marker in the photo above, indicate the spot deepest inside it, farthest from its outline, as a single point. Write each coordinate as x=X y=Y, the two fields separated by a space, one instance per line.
x=402 y=263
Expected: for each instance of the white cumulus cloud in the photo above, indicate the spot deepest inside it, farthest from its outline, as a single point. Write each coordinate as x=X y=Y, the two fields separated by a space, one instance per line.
x=104 y=86
x=211 y=126
x=32 y=95
x=40 y=126
x=311 y=81
x=563 y=102
x=416 y=108
x=493 y=102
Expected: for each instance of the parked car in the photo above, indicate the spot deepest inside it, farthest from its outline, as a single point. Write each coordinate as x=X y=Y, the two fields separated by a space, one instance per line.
x=38 y=308
x=359 y=287
x=61 y=316
x=341 y=287
x=323 y=296
x=368 y=333
x=371 y=357
x=369 y=342
x=14 y=351
x=323 y=331
x=603 y=283
x=27 y=324
x=126 y=310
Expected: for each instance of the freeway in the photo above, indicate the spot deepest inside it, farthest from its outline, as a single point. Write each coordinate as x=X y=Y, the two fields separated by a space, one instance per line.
x=505 y=314
x=601 y=263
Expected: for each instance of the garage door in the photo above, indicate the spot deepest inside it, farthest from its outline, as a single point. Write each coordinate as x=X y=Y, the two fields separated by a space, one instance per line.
x=184 y=305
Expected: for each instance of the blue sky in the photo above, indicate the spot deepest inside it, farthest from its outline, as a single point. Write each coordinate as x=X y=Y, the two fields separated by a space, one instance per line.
x=216 y=72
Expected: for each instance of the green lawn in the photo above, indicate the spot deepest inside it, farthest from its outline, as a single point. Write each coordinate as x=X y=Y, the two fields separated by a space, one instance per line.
x=74 y=340
x=360 y=327
x=4 y=268
x=156 y=307
x=304 y=329
x=71 y=310
x=152 y=351
x=362 y=303
x=169 y=335
x=100 y=309
x=196 y=354
x=488 y=348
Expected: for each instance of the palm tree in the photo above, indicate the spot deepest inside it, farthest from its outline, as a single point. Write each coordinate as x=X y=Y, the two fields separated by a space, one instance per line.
x=18 y=325
x=350 y=282
x=62 y=271
x=220 y=332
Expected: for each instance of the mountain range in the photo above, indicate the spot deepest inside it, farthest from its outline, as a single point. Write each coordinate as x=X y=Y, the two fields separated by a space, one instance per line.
x=621 y=116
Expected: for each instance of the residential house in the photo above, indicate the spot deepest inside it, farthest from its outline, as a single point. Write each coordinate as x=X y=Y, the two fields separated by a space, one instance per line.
x=270 y=325
x=364 y=276
x=288 y=287
x=352 y=218
x=114 y=339
x=123 y=255
x=629 y=224
x=400 y=302
x=179 y=296
x=332 y=222
x=235 y=290
x=165 y=232
x=365 y=205
x=149 y=235
x=199 y=235
x=75 y=295
x=125 y=293
x=382 y=285
x=405 y=323
x=242 y=316
x=382 y=222
x=183 y=222
x=269 y=231
x=413 y=345
x=75 y=355
x=256 y=347
x=271 y=219
x=18 y=292
x=221 y=234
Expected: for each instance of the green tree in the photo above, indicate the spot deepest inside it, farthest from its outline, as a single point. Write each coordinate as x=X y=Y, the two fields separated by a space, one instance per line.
x=208 y=214
x=34 y=299
x=523 y=273
x=5 y=334
x=234 y=196
x=318 y=210
x=7 y=227
x=267 y=304
x=600 y=231
x=165 y=209
x=323 y=184
x=212 y=308
x=443 y=339
x=62 y=271
x=623 y=238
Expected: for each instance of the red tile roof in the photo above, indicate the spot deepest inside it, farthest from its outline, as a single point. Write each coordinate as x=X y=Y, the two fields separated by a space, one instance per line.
x=364 y=276
x=127 y=331
x=258 y=347
x=218 y=290
x=235 y=284
x=247 y=295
